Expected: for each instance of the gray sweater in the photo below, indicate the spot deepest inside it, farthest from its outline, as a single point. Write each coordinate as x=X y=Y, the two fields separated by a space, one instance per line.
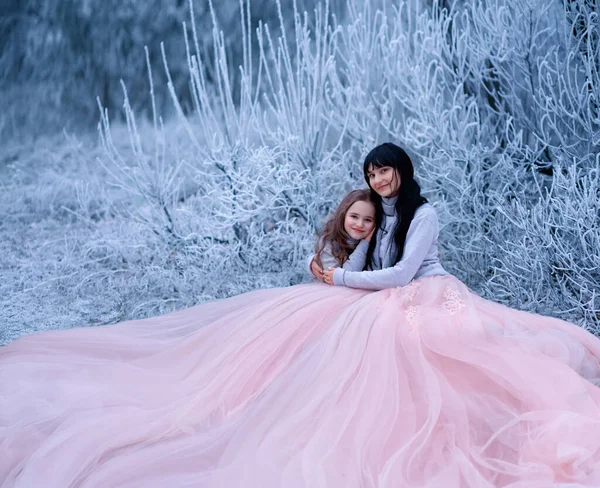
x=420 y=257
x=355 y=262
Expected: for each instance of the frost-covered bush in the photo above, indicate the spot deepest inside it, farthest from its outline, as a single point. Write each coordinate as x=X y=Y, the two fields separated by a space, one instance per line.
x=497 y=101
x=57 y=56
x=241 y=195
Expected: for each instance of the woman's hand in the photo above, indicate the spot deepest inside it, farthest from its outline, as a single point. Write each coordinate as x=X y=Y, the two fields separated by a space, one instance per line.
x=370 y=234
x=316 y=270
x=328 y=276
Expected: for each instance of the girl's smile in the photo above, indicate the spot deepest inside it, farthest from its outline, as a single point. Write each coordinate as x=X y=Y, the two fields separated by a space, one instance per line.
x=360 y=219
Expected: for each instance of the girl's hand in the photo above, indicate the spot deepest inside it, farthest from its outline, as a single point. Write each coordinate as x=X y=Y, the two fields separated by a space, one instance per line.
x=370 y=234
x=328 y=276
x=316 y=270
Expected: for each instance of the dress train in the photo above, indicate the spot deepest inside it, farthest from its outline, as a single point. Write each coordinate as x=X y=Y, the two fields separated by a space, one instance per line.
x=427 y=385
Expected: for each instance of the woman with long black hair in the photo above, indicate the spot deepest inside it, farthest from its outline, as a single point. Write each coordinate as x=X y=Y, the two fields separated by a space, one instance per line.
x=420 y=383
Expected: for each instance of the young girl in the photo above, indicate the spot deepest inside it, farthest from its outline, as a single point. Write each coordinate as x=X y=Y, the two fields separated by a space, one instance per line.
x=352 y=222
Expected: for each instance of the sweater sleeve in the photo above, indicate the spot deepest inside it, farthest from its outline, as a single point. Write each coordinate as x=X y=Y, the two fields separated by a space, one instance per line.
x=328 y=260
x=308 y=263
x=356 y=261
x=421 y=234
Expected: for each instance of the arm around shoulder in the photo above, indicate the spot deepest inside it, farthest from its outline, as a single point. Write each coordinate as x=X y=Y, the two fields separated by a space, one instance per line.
x=357 y=260
x=421 y=235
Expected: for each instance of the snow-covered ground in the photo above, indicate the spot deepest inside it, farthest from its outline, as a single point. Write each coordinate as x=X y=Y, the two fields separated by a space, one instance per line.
x=71 y=256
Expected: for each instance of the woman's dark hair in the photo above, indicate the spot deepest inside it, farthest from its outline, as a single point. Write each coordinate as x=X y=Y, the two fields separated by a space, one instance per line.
x=409 y=195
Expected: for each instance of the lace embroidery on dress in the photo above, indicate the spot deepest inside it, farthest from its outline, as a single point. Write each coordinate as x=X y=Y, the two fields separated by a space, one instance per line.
x=409 y=291
x=411 y=314
x=453 y=303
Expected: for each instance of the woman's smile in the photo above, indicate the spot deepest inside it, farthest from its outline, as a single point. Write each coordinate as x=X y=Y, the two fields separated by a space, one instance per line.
x=385 y=180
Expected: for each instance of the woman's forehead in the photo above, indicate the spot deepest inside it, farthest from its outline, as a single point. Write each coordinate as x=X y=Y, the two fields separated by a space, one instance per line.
x=375 y=165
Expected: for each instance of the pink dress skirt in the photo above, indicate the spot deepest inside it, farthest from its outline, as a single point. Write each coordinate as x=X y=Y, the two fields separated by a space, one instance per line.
x=428 y=385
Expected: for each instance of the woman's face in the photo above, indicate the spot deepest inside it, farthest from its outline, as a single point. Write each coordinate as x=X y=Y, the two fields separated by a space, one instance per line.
x=359 y=219
x=385 y=180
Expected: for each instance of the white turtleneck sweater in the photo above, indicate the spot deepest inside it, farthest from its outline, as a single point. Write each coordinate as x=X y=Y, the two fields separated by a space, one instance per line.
x=355 y=262
x=420 y=257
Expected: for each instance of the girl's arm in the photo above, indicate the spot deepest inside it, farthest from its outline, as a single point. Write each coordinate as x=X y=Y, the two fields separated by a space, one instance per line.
x=355 y=262
x=421 y=234
x=327 y=260
x=308 y=264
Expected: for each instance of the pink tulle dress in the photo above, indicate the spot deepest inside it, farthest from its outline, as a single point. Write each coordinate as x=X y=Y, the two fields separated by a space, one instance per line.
x=426 y=385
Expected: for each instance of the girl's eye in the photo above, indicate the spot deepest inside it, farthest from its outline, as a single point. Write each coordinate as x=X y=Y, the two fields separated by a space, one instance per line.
x=384 y=170
x=371 y=176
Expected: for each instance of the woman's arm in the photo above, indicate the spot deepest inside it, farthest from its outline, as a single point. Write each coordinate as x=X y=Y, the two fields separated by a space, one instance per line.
x=357 y=260
x=422 y=233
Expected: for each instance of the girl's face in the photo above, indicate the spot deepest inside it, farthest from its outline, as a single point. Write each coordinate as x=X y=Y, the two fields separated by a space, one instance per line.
x=385 y=180
x=360 y=219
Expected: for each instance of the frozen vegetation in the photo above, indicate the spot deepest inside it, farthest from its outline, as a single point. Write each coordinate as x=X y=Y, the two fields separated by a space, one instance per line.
x=498 y=102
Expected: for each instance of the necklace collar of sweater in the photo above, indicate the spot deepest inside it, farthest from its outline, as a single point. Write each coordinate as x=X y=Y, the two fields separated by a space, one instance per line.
x=389 y=205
